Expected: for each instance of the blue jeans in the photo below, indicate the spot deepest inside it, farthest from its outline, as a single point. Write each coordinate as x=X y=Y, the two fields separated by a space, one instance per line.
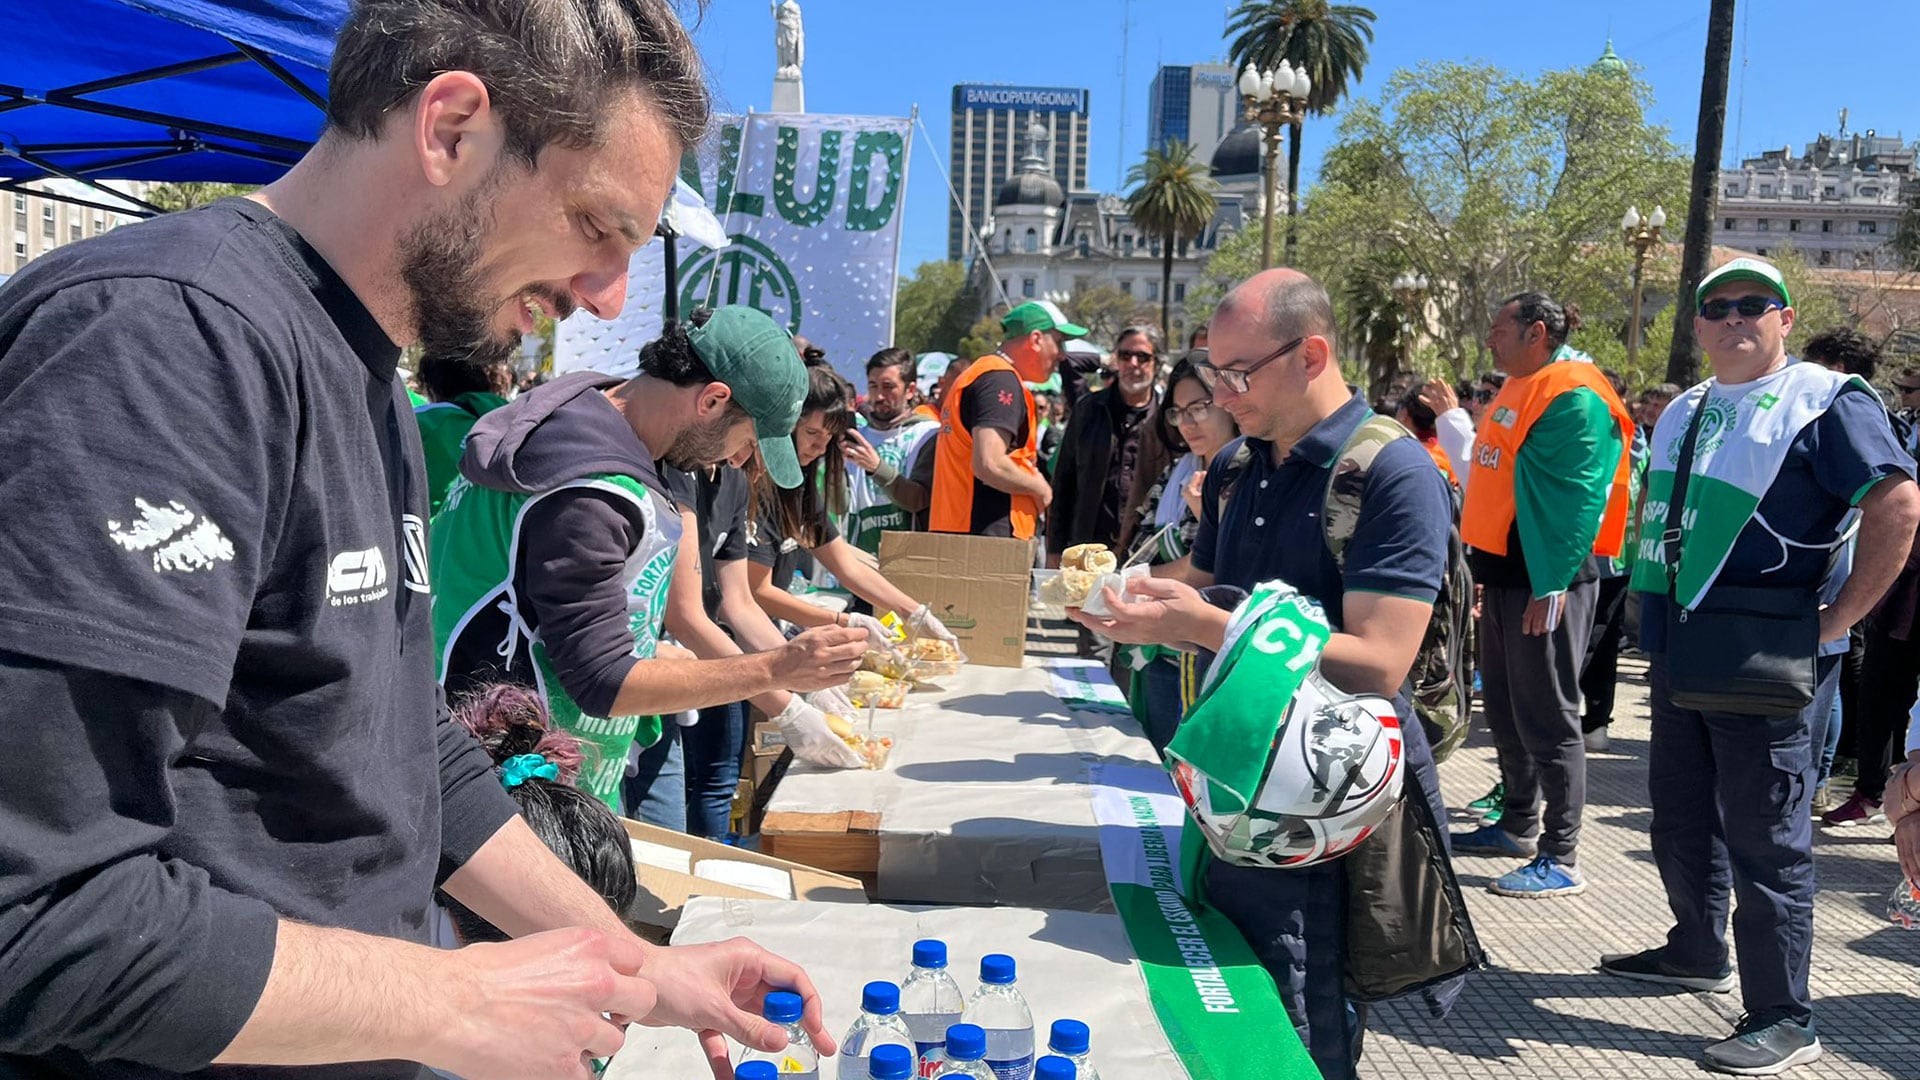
x=713 y=748
x=1829 y=720
x=1730 y=796
x=657 y=793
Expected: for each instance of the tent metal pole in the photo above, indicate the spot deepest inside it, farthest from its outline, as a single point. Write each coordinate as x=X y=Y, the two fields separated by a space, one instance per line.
x=71 y=200
x=131 y=78
x=44 y=165
x=137 y=144
x=198 y=127
x=273 y=68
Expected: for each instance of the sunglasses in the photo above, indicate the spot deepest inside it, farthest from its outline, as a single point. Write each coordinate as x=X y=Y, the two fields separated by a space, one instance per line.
x=1236 y=378
x=1195 y=413
x=1483 y=396
x=1749 y=307
x=1132 y=356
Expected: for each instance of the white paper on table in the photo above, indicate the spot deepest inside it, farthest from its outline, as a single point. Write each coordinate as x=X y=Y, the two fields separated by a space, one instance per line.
x=660 y=856
x=770 y=880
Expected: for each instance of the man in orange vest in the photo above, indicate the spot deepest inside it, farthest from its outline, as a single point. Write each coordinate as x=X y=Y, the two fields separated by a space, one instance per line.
x=986 y=478
x=1547 y=492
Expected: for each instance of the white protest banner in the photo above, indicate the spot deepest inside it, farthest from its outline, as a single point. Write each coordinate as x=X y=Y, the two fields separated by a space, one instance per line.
x=813 y=204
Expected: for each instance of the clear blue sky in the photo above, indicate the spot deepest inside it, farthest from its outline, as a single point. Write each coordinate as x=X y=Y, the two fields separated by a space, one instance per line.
x=1795 y=65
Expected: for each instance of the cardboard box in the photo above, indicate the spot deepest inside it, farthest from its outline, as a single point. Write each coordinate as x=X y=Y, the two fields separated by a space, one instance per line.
x=977 y=585
x=665 y=887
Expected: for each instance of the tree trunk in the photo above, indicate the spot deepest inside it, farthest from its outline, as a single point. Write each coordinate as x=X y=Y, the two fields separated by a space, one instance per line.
x=1166 y=288
x=1683 y=368
x=1293 y=190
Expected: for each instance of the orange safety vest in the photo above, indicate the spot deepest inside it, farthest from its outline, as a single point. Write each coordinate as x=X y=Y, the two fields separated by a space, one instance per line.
x=1439 y=457
x=1489 y=511
x=952 y=498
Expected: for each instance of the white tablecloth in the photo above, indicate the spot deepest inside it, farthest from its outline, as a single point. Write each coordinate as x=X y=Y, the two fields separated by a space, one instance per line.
x=987 y=796
x=1071 y=964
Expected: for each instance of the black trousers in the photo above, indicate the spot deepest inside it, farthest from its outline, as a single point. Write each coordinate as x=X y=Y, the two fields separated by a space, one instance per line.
x=1601 y=672
x=1891 y=674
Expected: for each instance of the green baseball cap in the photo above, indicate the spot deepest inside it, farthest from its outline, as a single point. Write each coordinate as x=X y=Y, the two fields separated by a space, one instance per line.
x=1743 y=269
x=1038 y=315
x=755 y=357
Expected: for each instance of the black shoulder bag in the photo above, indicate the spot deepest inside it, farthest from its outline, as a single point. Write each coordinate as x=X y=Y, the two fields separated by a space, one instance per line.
x=1746 y=650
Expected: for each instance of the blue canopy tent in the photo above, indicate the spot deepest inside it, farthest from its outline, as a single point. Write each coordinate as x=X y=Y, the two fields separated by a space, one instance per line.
x=206 y=90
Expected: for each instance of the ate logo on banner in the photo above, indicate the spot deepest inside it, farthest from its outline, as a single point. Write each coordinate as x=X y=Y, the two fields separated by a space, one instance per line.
x=746 y=272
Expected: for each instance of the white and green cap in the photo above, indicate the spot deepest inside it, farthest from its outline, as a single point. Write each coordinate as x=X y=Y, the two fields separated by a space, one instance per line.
x=1744 y=269
x=755 y=357
x=1038 y=315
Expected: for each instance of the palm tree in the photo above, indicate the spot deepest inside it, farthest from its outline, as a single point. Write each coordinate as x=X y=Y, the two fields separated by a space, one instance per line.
x=1328 y=41
x=1682 y=368
x=1172 y=199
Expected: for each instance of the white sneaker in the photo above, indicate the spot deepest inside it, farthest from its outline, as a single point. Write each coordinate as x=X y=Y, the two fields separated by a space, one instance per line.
x=1597 y=741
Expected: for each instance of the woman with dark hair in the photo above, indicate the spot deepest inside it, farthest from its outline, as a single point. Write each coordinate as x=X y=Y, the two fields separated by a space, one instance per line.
x=460 y=390
x=538 y=764
x=1180 y=440
x=1419 y=418
x=793 y=523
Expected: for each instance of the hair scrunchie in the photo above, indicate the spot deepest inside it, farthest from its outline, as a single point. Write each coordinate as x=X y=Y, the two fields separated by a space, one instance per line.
x=521 y=768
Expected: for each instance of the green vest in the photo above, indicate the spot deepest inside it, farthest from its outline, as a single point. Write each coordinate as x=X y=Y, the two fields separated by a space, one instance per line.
x=476 y=544
x=443 y=437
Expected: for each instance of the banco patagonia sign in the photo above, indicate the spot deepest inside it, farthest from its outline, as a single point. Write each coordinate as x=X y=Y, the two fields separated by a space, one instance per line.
x=1028 y=98
x=813 y=206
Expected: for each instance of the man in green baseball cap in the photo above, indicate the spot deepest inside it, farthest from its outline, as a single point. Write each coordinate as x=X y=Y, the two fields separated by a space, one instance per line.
x=554 y=552
x=1744 y=269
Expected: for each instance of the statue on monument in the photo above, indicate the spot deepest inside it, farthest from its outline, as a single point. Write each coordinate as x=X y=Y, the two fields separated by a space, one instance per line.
x=789 y=42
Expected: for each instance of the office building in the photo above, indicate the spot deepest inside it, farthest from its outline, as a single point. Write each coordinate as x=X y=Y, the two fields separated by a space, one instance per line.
x=1196 y=104
x=989 y=134
x=1838 y=205
x=40 y=225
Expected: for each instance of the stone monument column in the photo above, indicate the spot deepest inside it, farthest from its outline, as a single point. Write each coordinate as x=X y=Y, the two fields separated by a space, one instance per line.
x=790 y=51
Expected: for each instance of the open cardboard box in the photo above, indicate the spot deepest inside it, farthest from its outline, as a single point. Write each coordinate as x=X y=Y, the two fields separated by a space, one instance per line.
x=979 y=586
x=668 y=866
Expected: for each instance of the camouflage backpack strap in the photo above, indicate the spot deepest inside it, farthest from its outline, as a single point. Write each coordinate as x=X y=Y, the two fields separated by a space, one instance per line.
x=1347 y=482
x=1236 y=468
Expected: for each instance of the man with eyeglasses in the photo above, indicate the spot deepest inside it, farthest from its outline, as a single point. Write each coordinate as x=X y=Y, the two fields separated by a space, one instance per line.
x=986 y=473
x=1548 y=492
x=1101 y=446
x=1274 y=367
x=1794 y=454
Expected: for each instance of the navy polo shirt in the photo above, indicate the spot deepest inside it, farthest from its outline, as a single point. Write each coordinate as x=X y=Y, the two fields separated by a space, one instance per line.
x=1272 y=530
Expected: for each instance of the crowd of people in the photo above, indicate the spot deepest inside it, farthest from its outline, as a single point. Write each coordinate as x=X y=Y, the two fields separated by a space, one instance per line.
x=329 y=698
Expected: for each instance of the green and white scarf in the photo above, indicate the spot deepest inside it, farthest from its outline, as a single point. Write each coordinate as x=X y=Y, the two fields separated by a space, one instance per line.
x=1744 y=439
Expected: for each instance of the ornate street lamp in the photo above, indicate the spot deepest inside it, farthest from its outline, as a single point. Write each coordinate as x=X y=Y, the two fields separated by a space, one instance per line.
x=1273 y=99
x=1639 y=234
x=1411 y=291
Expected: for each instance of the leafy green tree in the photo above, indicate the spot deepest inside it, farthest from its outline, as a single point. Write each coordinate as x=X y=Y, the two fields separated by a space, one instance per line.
x=1104 y=309
x=933 y=309
x=1328 y=41
x=1172 y=199
x=186 y=195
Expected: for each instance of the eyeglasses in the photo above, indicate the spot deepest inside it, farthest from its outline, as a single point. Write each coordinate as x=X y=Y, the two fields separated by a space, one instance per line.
x=1195 y=413
x=1132 y=356
x=1236 y=378
x=1749 y=307
x=1483 y=396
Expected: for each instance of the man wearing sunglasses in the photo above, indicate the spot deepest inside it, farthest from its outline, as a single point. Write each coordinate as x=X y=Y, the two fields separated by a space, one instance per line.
x=1785 y=455
x=1094 y=472
x=1548 y=491
x=1273 y=366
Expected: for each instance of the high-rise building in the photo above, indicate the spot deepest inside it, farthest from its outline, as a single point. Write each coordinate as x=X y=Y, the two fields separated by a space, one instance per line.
x=990 y=131
x=1196 y=104
x=40 y=225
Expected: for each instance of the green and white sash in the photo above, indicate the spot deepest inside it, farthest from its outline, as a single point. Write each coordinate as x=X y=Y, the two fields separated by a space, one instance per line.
x=870 y=510
x=1744 y=439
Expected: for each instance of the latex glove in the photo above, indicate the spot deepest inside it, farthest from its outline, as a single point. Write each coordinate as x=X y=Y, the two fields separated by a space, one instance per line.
x=811 y=740
x=877 y=636
x=833 y=701
x=925 y=623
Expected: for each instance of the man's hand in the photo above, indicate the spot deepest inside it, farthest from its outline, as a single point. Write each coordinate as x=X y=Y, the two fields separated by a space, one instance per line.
x=1157 y=611
x=1042 y=491
x=822 y=657
x=858 y=450
x=538 y=1007
x=1435 y=394
x=1543 y=613
x=716 y=990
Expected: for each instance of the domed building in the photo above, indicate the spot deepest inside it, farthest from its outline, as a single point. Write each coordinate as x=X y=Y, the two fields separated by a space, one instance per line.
x=1237 y=165
x=1611 y=64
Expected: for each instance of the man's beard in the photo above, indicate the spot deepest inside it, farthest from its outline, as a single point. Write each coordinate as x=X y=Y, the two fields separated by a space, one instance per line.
x=701 y=445
x=441 y=266
x=883 y=415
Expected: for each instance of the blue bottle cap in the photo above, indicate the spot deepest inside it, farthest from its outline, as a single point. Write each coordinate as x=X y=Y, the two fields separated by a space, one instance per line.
x=755 y=1070
x=1053 y=1067
x=930 y=953
x=996 y=968
x=966 y=1042
x=890 y=1062
x=880 y=998
x=1068 y=1037
x=782 y=1007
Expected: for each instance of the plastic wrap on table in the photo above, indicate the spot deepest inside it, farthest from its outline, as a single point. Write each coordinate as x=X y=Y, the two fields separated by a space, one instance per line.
x=891 y=663
x=872 y=690
x=930 y=658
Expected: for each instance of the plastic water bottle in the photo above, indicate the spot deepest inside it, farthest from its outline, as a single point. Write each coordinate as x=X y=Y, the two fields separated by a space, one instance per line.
x=755 y=1070
x=963 y=1056
x=1053 y=1067
x=799 y=1058
x=1072 y=1040
x=930 y=1001
x=999 y=1009
x=889 y=1062
x=1903 y=906
x=879 y=1025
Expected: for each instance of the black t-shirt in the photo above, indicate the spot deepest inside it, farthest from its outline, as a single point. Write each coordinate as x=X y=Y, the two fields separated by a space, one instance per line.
x=995 y=400
x=719 y=500
x=769 y=545
x=214 y=643
x=1126 y=457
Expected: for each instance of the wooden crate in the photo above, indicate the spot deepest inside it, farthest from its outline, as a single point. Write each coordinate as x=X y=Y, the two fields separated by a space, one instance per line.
x=842 y=842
